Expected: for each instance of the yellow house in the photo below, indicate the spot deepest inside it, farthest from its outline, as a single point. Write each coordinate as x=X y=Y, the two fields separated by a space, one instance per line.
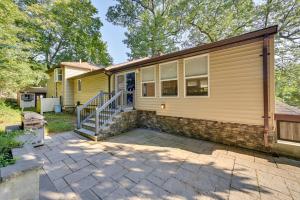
x=221 y=91
x=59 y=85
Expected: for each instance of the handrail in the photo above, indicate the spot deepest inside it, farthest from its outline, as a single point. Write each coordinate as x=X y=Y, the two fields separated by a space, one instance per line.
x=89 y=101
x=110 y=101
x=108 y=110
x=87 y=110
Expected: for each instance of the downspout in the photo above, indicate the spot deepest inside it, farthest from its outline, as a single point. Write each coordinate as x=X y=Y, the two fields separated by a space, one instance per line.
x=108 y=74
x=266 y=88
x=55 y=89
x=109 y=86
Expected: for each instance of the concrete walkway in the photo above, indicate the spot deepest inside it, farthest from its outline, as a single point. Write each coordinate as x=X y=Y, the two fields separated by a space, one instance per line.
x=144 y=164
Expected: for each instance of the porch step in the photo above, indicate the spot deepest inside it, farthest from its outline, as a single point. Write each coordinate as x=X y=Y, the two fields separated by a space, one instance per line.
x=91 y=134
x=86 y=133
x=91 y=125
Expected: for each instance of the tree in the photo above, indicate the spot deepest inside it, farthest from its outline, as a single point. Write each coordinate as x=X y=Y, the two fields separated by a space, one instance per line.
x=209 y=21
x=17 y=70
x=153 y=26
x=65 y=30
x=288 y=84
x=286 y=14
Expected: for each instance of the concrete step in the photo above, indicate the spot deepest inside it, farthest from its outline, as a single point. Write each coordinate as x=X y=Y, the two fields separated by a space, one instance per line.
x=86 y=133
x=91 y=125
x=91 y=134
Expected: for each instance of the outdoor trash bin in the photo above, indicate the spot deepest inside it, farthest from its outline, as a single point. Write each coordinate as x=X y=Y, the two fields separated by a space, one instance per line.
x=33 y=124
x=57 y=109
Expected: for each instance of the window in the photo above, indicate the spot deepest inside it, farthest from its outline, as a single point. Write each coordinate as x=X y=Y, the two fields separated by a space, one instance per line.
x=168 y=79
x=27 y=97
x=196 y=76
x=79 y=85
x=148 y=81
x=57 y=75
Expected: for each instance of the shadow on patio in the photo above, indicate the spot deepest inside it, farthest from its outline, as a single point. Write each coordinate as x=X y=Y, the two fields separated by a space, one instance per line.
x=146 y=164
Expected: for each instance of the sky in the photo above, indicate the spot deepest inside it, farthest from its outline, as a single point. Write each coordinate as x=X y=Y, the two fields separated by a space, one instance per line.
x=114 y=35
x=111 y=34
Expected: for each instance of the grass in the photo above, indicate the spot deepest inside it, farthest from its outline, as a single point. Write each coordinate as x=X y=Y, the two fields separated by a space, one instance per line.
x=9 y=114
x=59 y=122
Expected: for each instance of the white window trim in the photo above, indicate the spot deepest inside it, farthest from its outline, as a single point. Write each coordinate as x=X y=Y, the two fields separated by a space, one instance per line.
x=79 y=80
x=141 y=86
x=125 y=79
x=56 y=75
x=200 y=76
x=171 y=79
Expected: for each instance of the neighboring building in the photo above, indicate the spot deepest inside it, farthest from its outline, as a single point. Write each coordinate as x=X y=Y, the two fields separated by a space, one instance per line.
x=222 y=91
x=60 y=86
x=27 y=97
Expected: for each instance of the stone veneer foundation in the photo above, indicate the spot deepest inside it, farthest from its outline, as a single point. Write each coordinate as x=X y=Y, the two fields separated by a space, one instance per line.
x=242 y=135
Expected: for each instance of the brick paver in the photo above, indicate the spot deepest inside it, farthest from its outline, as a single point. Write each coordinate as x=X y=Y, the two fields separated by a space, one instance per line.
x=143 y=164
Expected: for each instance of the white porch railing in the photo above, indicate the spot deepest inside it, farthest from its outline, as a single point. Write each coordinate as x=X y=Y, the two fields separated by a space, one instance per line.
x=109 y=109
x=87 y=110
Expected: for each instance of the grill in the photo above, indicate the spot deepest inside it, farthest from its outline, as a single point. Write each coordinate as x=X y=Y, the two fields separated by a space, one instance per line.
x=34 y=126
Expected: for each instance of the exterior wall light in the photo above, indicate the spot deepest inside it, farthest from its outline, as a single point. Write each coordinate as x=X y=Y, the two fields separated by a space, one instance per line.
x=163 y=106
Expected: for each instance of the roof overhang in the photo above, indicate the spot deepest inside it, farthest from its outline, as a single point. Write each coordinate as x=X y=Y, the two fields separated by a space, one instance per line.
x=206 y=48
x=91 y=73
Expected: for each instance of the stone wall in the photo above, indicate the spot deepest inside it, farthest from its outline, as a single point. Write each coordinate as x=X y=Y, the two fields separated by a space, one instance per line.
x=242 y=135
x=121 y=123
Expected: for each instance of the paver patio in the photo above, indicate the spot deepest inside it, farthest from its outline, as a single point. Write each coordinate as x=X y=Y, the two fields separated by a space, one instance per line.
x=144 y=164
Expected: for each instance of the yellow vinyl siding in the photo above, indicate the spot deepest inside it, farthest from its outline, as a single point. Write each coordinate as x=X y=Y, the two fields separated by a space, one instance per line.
x=69 y=72
x=90 y=86
x=52 y=87
x=235 y=84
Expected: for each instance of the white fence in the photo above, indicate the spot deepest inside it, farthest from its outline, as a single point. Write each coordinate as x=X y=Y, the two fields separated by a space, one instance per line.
x=47 y=104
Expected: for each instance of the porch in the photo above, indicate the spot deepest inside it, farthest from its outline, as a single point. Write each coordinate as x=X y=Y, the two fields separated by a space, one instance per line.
x=144 y=164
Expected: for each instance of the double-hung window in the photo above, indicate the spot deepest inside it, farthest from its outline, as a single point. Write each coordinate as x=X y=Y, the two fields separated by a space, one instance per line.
x=196 y=76
x=57 y=75
x=148 y=81
x=168 y=79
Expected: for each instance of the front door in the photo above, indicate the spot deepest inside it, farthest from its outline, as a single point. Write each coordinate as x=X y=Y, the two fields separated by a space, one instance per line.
x=126 y=82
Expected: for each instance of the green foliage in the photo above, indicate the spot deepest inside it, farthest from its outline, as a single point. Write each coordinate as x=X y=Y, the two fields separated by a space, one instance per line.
x=66 y=30
x=59 y=122
x=209 y=21
x=8 y=142
x=17 y=70
x=288 y=84
x=9 y=114
x=38 y=34
x=153 y=26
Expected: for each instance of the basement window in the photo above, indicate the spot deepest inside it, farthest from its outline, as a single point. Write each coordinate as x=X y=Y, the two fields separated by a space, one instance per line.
x=148 y=81
x=196 y=76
